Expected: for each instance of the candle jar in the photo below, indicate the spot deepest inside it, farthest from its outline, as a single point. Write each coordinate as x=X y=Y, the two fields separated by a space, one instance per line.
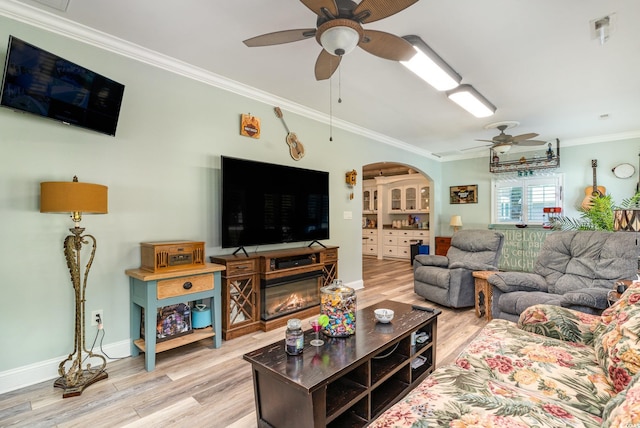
x=338 y=303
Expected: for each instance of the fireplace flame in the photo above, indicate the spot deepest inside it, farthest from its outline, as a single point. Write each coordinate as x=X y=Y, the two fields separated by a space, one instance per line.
x=293 y=302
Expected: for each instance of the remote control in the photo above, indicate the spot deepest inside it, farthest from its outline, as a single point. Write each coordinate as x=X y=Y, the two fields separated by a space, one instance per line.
x=423 y=308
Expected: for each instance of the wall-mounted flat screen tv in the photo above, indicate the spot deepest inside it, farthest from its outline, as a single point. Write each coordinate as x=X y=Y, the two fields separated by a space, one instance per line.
x=264 y=203
x=39 y=82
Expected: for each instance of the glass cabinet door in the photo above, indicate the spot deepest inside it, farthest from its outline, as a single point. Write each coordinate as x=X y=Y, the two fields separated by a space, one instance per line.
x=396 y=199
x=424 y=198
x=410 y=198
x=375 y=200
x=366 y=200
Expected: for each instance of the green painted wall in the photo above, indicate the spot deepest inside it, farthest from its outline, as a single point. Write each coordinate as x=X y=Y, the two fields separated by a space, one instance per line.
x=575 y=163
x=162 y=170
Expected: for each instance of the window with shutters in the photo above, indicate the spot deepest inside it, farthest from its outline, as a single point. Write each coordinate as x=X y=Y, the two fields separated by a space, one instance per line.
x=521 y=199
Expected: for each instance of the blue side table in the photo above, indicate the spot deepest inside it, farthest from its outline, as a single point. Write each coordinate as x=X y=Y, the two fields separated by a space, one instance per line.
x=151 y=291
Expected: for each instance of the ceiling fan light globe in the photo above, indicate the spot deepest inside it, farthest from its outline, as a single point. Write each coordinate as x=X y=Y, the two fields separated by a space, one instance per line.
x=501 y=148
x=339 y=40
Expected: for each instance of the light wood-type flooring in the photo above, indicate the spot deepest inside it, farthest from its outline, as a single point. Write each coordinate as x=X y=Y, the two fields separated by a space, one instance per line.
x=198 y=386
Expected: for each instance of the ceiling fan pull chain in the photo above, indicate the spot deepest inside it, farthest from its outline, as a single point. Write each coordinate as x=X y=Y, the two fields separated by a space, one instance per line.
x=339 y=85
x=330 y=106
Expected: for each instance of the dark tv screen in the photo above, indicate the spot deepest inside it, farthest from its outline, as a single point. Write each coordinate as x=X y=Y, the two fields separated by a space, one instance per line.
x=39 y=82
x=264 y=203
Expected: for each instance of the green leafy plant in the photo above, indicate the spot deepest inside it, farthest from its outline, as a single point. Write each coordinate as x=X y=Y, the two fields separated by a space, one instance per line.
x=599 y=217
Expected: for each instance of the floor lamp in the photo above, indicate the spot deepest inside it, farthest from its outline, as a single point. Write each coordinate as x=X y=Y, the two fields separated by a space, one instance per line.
x=76 y=198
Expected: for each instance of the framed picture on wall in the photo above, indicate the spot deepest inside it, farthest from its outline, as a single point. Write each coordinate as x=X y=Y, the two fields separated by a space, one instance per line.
x=463 y=194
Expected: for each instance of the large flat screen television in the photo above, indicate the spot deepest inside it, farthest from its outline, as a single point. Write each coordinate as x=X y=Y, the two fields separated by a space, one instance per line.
x=264 y=203
x=38 y=82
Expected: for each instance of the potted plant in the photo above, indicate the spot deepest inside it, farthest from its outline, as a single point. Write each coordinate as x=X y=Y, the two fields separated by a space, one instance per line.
x=604 y=214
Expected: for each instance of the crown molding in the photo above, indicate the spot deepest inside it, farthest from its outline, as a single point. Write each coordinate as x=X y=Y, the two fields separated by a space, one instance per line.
x=59 y=25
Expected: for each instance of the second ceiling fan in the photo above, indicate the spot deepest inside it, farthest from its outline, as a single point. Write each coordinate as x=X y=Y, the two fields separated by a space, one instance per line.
x=339 y=30
x=503 y=142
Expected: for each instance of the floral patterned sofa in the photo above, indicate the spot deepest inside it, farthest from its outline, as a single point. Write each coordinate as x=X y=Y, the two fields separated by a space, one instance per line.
x=556 y=368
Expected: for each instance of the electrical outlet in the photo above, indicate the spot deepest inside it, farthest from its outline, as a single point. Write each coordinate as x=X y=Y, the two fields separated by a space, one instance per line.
x=94 y=316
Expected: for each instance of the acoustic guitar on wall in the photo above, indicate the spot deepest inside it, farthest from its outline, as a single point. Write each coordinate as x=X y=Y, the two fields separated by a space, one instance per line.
x=296 y=149
x=592 y=191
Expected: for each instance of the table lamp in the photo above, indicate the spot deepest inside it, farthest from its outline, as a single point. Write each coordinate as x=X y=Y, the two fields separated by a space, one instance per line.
x=456 y=222
x=76 y=198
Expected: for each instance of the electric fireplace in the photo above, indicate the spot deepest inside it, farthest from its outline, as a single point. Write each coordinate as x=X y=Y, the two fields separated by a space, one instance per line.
x=289 y=294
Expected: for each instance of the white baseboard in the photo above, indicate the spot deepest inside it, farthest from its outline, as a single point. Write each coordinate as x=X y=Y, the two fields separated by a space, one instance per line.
x=42 y=371
x=356 y=285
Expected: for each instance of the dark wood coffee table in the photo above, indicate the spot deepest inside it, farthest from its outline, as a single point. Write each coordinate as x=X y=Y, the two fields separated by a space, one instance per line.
x=347 y=381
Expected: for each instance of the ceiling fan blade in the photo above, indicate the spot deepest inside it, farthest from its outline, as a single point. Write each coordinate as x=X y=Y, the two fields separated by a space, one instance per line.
x=279 y=37
x=524 y=136
x=488 y=141
x=476 y=147
x=530 y=142
x=326 y=65
x=317 y=5
x=387 y=46
x=374 y=10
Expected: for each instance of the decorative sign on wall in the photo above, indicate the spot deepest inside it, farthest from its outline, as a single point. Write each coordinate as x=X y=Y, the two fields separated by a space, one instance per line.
x=250 y=126
x=463 y=194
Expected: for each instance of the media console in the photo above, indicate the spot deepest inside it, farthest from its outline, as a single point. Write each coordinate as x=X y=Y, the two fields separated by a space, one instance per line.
x=242 y=295
x=292 y=261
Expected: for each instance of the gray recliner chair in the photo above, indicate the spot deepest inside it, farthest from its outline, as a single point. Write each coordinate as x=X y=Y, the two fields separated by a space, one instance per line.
x=447 y=280
x=574 y=269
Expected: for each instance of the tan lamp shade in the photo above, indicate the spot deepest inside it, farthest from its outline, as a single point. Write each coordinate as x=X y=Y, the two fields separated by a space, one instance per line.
x=69 y=197
x=456 y=221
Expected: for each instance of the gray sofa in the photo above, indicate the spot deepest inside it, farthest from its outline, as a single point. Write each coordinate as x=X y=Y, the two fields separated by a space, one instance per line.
x=447 y=280
x=574 y=269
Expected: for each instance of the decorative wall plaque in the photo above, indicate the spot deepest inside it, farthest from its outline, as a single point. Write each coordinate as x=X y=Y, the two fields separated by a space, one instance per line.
x=463 y=194
x=250 y=126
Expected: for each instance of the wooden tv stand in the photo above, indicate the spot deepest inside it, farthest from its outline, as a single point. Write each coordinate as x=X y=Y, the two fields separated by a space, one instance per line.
x=241 y=284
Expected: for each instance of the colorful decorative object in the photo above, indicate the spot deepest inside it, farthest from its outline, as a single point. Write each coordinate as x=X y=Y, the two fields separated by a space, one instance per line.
x=463 y=194
x=338 y=304
x=250 y=126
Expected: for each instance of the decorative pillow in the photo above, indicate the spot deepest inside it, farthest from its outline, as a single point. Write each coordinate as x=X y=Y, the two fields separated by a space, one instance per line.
x=560 y=323
x=617 y=341
x=623 y=410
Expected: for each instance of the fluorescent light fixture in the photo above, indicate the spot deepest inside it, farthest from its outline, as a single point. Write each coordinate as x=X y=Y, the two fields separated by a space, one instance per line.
x=428 y=65
x=471 y=100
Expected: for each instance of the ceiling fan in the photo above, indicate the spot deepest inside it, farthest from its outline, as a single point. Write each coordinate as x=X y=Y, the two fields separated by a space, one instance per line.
x=339 y=30
x=502 y=142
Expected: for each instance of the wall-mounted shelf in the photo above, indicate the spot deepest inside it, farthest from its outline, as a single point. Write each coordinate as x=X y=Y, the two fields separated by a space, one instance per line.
x=544 y=158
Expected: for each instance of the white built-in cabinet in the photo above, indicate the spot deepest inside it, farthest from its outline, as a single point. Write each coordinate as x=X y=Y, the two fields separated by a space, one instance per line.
x=369 y=199
x=412 y=198
x=389 y=200
x=370 y=242
x=397 y=242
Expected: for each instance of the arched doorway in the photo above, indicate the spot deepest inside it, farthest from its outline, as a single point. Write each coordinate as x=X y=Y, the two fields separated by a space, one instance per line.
x=397 y=210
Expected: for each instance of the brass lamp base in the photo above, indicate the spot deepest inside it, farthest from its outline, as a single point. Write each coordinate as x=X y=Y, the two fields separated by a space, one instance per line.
x=86 y=379
x=73 y=377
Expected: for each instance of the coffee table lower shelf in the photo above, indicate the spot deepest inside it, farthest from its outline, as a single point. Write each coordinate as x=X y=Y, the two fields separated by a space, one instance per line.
x=347 y=381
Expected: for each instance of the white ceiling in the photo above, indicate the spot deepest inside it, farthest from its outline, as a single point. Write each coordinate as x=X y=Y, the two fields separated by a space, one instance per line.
x=536 y=61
